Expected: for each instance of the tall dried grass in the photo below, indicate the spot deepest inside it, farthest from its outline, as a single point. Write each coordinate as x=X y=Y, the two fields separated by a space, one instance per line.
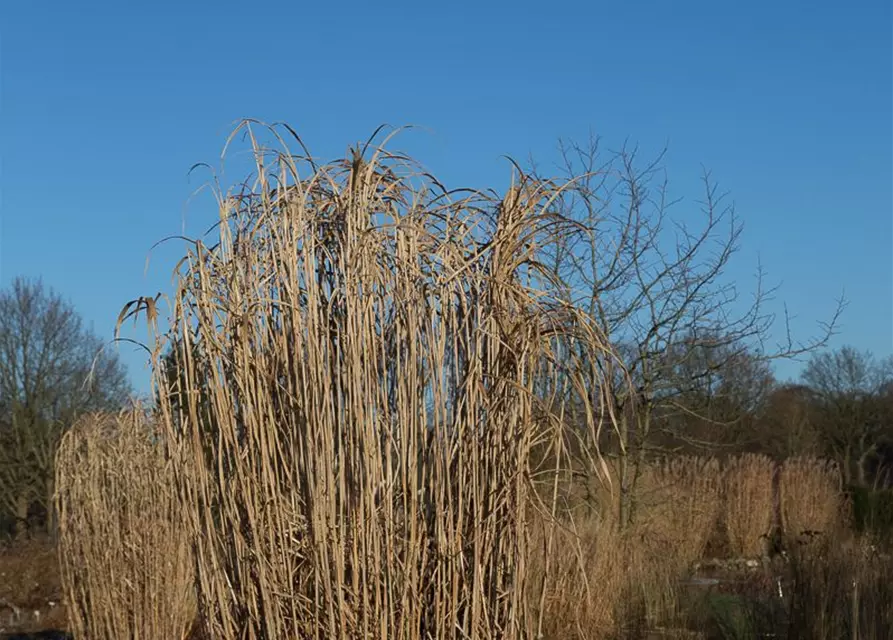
x=677 y=505
x=680 y=501
x=599 y=581
x=611 y=580
x=353 y=405
x=748 y=503
x=126 y=561
x=812 y=501
x=585 y=579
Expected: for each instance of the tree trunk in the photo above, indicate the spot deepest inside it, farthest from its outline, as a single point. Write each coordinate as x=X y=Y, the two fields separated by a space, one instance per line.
x=642 y=435
x=632 y=461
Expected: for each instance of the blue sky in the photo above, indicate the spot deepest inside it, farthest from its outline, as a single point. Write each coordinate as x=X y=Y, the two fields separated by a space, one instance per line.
x=104 y=106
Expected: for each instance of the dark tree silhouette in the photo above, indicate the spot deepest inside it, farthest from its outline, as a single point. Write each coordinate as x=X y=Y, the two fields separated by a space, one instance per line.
x=52 y=369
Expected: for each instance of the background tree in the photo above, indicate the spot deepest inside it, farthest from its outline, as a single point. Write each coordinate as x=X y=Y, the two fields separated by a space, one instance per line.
x=657 y=285
x=852 y=408
x=52 y=369
x=721 y=392
x=787 y=425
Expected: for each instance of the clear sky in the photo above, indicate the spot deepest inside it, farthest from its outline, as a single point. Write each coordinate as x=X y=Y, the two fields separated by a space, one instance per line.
x=106 y=105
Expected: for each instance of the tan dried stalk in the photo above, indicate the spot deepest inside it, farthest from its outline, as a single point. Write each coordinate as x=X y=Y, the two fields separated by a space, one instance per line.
x=587 y=580
x=352 y=400
x=127 y=567
x=812 y=503
x=680 y=504
x=749 y=503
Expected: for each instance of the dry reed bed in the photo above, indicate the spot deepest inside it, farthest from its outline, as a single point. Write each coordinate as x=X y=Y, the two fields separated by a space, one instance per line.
x=600 y=576
x=812 y=501
x=126 y=562
x=749 y=503
x=352 y=400
x=584 y=577
x=680 y=504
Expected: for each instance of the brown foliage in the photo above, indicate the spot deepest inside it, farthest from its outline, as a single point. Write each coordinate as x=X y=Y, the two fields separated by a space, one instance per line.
x=840 y=588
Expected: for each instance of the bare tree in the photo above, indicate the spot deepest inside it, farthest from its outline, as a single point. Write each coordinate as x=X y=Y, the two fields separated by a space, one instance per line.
x=52 y=369
x=850 y=389
x=657 y=284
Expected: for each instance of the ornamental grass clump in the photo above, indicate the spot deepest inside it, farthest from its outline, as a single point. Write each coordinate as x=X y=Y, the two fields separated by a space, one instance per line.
x=348 y=383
